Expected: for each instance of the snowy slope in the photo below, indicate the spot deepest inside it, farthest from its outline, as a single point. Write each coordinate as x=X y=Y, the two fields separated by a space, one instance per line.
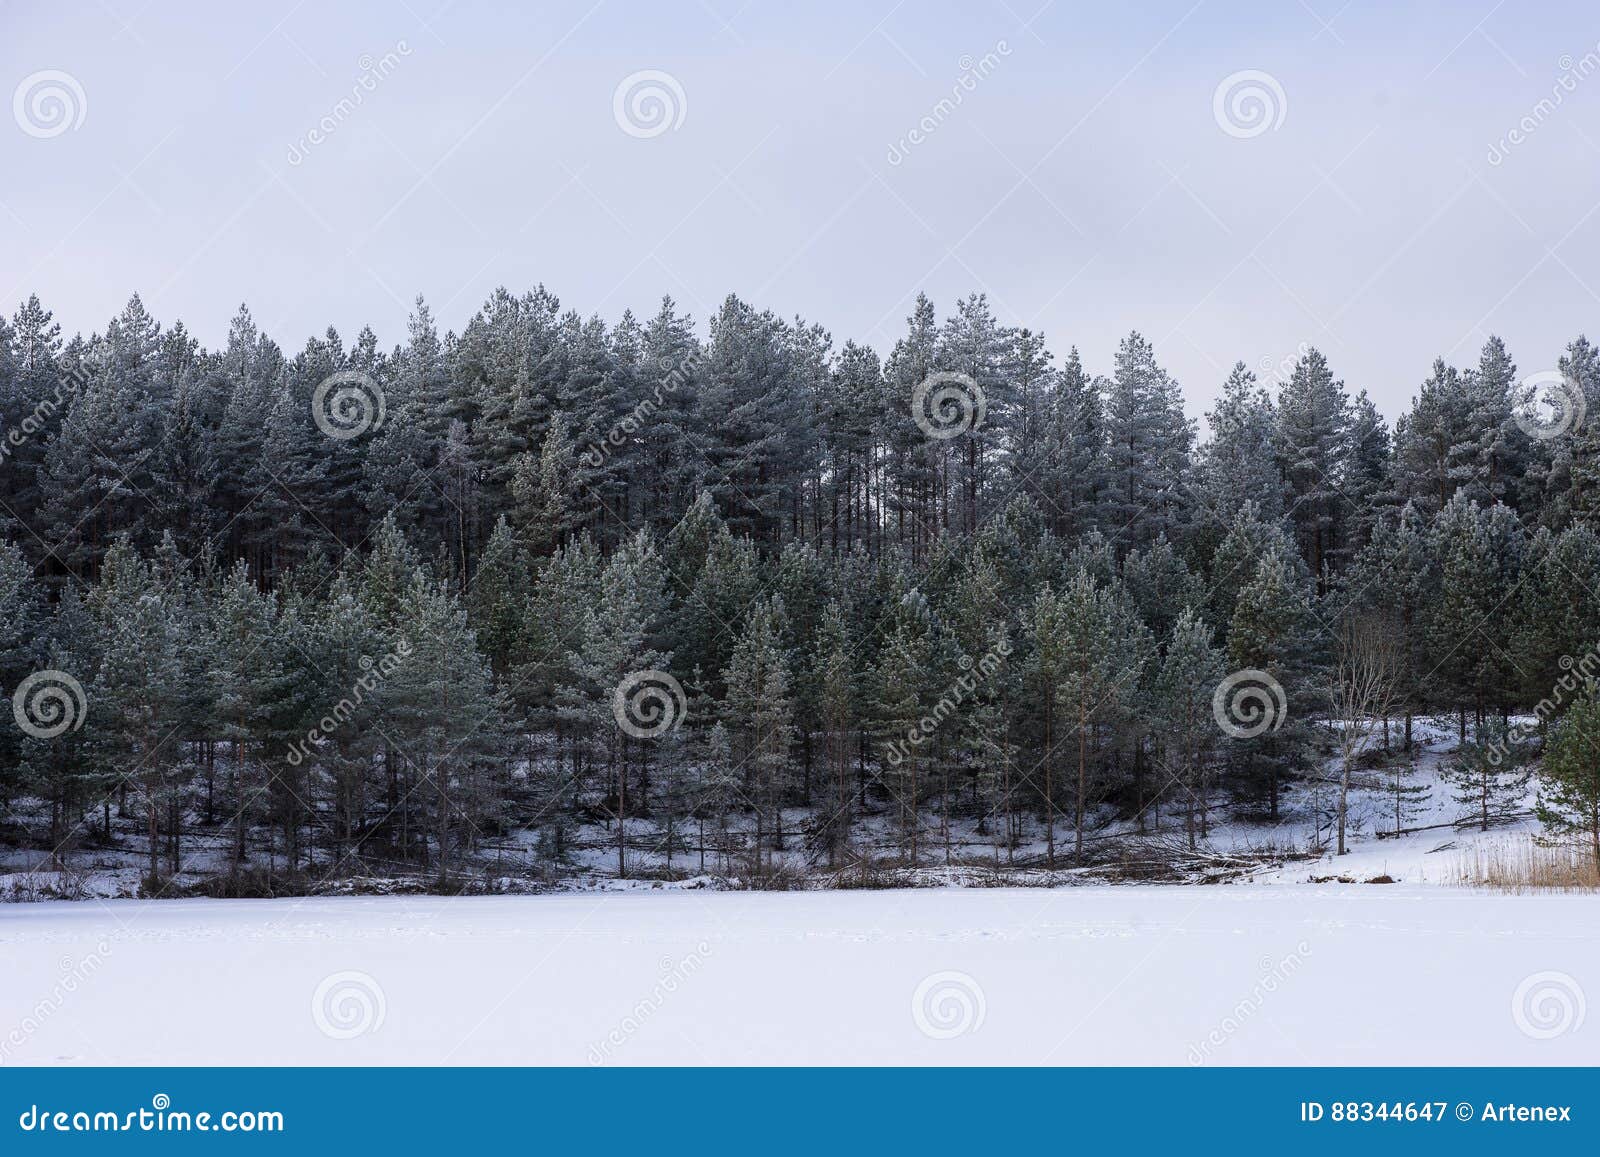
x=1431 y=850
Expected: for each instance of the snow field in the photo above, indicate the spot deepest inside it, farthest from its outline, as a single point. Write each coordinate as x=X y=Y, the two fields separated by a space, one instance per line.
x=1227 y=975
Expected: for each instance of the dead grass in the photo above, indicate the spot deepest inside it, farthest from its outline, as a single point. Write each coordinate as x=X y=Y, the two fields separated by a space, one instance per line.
x=1524 y=865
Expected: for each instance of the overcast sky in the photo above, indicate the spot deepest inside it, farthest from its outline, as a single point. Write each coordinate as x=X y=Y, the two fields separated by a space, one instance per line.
x=1088 y=178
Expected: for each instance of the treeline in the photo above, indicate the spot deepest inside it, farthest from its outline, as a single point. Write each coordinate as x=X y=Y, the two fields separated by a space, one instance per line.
x=750 y=592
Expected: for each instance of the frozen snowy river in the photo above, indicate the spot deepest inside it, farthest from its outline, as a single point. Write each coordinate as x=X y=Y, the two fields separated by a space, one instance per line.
x=1096 y=975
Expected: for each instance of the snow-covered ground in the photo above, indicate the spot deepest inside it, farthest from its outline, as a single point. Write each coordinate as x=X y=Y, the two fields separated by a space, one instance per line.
x=1233 y=974
x=1277 y=964
x=1431 y=849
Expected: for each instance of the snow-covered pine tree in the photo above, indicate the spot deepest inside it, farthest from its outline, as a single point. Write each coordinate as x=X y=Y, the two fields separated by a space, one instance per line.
x=620 y=632
x=1490 y=775
x=1314 y=450
x=1148 y=444
x=1238 y=463
x=1188 y=677
x=1268 y=633
x=1569 y=781
x=760 y=710
x=137 y=688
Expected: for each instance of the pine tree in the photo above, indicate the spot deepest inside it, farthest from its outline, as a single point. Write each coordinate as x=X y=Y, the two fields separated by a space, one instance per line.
x=1500 y=448
x=757 y=421
x=35 y=390
x=1314 y=449
x=1435 y=446
x=355 y=662
x=717 y=788
x=903 y=688
x=137 y=686
x=1268 y=635
x=498 y=600
x=1068 y=471
x=670 y=373
x=1161 y=586
x=1490 y=775
x=71 y=767
x=1249 y=539
x=22 y=618
x=450 y=721
x=1367 y=485
x=1406 y=796
x=544 y=489
x=1088 y=650
x=761 y=707
x=1479 y=560
x=1238 y=464
x=850 y=423
x=1397 y=572
x=619 y=631
x=975 y=345
x=1569 y=466
x=1184 y=687
x=914 y=462
x=1557 y=608
x=838 y=698
x=1569 y=795
x=1148 y=442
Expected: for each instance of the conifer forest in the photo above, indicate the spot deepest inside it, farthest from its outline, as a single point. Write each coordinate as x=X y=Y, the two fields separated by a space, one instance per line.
x=667 y=596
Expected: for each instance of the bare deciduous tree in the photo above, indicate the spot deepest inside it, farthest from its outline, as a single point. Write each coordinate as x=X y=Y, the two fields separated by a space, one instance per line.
x=1362 y=693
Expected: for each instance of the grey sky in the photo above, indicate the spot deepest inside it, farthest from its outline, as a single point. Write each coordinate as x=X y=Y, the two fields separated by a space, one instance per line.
x=1084 y=180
